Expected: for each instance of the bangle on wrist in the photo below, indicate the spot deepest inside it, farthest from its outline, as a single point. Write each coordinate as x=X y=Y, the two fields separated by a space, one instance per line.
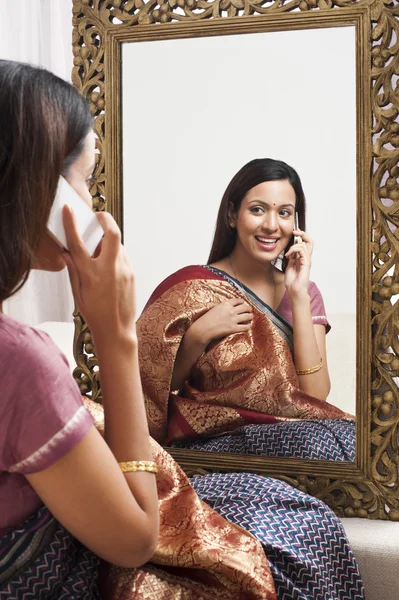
x=311 y=370
x=132 y=466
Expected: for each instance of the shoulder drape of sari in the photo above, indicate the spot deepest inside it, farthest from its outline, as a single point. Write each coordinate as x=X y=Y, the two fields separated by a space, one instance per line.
x=199 y=553
x=246 y=377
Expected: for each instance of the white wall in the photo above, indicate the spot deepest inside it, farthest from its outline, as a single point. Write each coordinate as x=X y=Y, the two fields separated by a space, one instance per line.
x=39 y=32
x=196 y=110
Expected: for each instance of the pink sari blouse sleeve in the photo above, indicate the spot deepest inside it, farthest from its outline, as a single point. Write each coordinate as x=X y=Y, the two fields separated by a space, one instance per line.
x=42 y=416
x=317 y=307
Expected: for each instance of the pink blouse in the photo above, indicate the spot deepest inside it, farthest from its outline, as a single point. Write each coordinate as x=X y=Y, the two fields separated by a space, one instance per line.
x=42 y=416
x=316 y=307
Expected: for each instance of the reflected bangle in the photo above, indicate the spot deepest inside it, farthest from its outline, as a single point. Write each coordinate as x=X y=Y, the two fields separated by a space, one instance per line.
x=132 y=466
x=311 y=370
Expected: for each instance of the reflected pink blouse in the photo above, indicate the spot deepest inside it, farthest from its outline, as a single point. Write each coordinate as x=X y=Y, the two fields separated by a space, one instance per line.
x=316 y=307
x=41 y=415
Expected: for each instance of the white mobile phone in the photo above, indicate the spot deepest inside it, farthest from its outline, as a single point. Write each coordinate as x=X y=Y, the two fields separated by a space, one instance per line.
x=297 y=238
x=88 y=225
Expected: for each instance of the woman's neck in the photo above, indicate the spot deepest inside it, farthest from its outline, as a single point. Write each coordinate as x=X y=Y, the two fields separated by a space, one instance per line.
x=248 y=271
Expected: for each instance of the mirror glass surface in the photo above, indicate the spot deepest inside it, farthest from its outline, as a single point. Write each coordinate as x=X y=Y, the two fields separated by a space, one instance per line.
x=196 y=110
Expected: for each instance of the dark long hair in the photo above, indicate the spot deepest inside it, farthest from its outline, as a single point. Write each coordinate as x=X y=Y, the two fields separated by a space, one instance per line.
x=253 y=173
x=43 y=125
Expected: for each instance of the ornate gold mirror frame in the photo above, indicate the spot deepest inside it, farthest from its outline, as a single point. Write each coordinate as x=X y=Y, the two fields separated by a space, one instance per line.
x=369 y=487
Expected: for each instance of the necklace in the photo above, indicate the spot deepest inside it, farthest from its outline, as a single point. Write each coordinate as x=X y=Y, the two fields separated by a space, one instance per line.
x=248 y=297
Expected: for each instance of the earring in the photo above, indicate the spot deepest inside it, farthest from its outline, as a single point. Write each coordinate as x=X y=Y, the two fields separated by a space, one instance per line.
x=232 y=226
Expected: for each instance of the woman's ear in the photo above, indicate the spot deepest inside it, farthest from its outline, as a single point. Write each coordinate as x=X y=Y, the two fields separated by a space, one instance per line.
x=231 y=216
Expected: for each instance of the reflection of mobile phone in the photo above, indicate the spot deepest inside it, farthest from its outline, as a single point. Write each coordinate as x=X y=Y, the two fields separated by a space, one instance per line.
x=297 y=238
x=88 y=225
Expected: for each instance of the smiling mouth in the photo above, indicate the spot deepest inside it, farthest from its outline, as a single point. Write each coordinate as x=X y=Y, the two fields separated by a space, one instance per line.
x=267 y=241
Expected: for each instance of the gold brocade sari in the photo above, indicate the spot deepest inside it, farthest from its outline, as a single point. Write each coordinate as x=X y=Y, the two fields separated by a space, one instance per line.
x=200 y=555
x=244 y=378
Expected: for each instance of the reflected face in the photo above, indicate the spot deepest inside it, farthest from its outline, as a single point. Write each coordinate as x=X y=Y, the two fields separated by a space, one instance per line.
x=49 y=254
x=265 y=220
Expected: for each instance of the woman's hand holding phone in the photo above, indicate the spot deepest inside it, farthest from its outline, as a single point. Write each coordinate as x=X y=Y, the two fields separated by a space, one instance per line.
x=87 y=223
x=297 y=238
x=103 y=286
x=297 y=272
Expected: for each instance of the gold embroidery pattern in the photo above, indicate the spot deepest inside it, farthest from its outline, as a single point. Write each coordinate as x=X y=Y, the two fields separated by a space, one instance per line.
x=252 y=370
x=209 y=418
x=199 y=554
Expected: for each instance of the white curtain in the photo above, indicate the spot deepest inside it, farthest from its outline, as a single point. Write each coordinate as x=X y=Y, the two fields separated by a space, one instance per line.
x=39 y=32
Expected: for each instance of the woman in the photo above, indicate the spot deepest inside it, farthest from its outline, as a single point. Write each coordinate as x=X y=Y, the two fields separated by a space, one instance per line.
x=241 y=342
x=69 y=496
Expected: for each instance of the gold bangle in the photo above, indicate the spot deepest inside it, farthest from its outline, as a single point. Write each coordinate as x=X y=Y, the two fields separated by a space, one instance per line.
x=132 y=466
x=311 y=370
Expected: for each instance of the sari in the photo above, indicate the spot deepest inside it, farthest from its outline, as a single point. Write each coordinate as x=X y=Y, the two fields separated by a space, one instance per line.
x=333 y=439
x=199 y=554
x=244 y=378
x=43 y=561
x=203 y=552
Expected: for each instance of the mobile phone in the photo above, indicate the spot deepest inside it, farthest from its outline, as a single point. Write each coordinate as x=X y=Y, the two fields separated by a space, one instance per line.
x=297 y=238
x=88 y=225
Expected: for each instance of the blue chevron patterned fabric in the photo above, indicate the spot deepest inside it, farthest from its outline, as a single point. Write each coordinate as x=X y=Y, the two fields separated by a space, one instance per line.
x=42 y=561
x=303 y=539
x=332 y=439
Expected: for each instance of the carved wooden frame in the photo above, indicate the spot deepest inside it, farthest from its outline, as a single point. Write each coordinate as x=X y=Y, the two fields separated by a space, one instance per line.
x=369 y=487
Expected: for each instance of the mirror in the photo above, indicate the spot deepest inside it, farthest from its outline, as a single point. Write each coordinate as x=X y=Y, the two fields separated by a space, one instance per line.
x=250 y=96
x=104 y=34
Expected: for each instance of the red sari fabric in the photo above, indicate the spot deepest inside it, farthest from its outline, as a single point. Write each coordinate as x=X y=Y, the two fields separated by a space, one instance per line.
x=244 y=378
x=199 y=554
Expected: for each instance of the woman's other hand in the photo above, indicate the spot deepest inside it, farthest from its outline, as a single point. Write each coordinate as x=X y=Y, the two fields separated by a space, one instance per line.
x=297 y=272
x=103 y=286
x=232 y=316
